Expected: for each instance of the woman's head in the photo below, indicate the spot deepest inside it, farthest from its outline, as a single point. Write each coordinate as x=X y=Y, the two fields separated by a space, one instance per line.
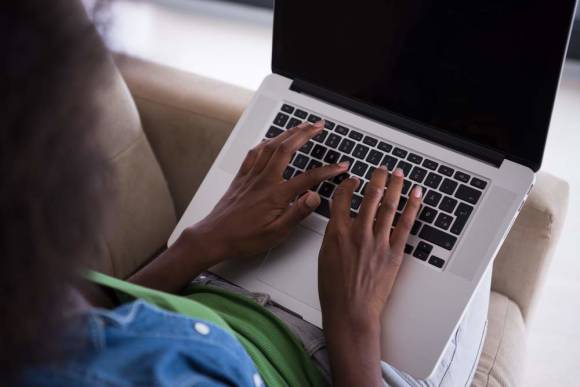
x=54 y=176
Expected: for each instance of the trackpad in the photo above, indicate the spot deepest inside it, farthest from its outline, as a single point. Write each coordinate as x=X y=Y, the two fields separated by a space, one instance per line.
x=292 y=267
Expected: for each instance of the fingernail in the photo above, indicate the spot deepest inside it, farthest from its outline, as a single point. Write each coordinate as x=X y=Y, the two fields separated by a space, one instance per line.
x=383 y=167
x=344 y=164
x=312 y=200
x=398 y=172
x=319 y=124
x=417 y=192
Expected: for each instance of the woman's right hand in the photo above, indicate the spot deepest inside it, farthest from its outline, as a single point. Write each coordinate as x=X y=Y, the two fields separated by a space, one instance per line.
x=358 y=264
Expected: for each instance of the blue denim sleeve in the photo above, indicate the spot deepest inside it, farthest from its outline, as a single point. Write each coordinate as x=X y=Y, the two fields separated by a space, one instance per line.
x=139 y=344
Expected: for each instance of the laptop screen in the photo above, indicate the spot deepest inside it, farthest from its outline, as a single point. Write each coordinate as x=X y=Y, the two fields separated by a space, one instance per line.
x=485 y=71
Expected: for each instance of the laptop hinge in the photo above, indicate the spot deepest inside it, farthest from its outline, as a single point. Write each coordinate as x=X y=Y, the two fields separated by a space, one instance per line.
x=413 y=127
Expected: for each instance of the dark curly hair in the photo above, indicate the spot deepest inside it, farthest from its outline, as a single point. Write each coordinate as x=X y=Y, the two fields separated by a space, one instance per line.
x=54 y=189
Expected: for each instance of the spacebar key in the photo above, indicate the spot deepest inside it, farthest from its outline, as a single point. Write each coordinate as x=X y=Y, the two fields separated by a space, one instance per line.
x=324 y=208
x=438 y=237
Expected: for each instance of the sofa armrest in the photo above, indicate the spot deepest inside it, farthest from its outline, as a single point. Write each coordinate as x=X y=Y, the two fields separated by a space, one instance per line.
x=522 y=262
x=187 y=119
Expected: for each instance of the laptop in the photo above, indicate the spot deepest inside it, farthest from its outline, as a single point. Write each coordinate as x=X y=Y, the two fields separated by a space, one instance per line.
x=459 y=95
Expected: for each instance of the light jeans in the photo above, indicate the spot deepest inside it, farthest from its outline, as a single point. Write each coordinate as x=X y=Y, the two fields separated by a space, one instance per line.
x=456 y=367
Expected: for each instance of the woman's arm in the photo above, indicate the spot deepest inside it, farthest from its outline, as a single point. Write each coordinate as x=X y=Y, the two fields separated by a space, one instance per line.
x=358 y=263
x=257 y=212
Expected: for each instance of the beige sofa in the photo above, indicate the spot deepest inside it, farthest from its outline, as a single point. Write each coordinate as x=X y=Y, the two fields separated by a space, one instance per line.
x=164 y=131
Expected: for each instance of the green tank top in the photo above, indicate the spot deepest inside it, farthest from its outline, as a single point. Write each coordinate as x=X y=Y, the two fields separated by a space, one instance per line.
x=276 y=352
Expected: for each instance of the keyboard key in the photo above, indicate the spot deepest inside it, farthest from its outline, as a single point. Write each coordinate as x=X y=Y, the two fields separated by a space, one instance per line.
x=478 y=183
x=433 y=180
x=288 y=172
x=468 y=194
x=402 y=203
x=362 y=187
x=355 y=135
x=400 y=153
x=428 y=214
x=370 y=141
x=369 y=174
x=346 y=145
x=320 y=137
x=422 y=251
x=273 y=132
x=430 y=164
x=341 y=130
x=314 y=164
x=408 y=248
x=406 y=186
x=349 y=159
x=405 y=166
x=318 y=151
x=436 y=261
x=448 y=204
x=297 y=173
x=415 y=158
x=462 y=215
x=306 y=147
x=300 y=161
x=359 y=168
x=360 y=151
x=324 y=208
x=443 y=221
x=445 y=170
x=375 y=157
x=464 y=177
x=333 y=140
x=438 y=237
x=329 y=124
x=287 y=108
x=326 y=189
x=448 y=186
x=416 y=226
x=313 y=118
x=384 y=146
x=355 y=201
x=340 y=178
x=293 y=122
x=390 y=162
x=331 y=157
x=301 y=114
x=432 y=198
x=281 y=119
x=418 y=174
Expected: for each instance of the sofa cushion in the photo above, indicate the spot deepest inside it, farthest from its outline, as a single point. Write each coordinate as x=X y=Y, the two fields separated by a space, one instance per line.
x=144 y=215
x=503 y=355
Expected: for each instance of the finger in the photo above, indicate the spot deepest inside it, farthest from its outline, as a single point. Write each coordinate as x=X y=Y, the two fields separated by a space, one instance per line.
x=372 y=197
x=312 y=177
x=299 y=210
x=405 y=223
x=389 y=205
x=340 y=206
x=249 y=161
x=268 y=147
x=281 y=156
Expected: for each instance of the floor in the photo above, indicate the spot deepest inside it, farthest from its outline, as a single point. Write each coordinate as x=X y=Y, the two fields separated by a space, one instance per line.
x=233 y=44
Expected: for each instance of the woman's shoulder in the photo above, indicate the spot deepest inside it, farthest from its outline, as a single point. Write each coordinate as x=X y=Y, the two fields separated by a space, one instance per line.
x=141 y=344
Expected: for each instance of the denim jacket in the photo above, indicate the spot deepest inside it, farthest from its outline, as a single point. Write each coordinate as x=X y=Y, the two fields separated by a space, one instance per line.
x=138 y=344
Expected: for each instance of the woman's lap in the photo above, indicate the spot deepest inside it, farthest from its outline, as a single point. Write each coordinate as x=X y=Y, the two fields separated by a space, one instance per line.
x=456 y=367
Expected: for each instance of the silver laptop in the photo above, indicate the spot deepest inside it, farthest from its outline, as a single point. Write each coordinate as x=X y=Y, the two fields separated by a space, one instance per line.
x=458 y=95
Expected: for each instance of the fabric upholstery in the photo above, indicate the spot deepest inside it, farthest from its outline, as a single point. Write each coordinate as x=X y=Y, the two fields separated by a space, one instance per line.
x=523 y=260
x=144 y=215
x=503 y=355
x=187 y=119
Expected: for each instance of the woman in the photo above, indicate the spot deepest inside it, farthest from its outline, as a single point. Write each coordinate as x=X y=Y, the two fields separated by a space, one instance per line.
x=57 y=330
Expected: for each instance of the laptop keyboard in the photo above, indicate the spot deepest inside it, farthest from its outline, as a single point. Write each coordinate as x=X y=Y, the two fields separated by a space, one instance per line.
x=449 y=195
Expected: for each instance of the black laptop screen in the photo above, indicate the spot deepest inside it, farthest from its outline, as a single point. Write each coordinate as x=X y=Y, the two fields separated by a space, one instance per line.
x=486 y=71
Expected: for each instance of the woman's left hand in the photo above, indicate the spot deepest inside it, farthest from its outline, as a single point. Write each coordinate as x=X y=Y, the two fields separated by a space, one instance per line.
x=260 y=208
